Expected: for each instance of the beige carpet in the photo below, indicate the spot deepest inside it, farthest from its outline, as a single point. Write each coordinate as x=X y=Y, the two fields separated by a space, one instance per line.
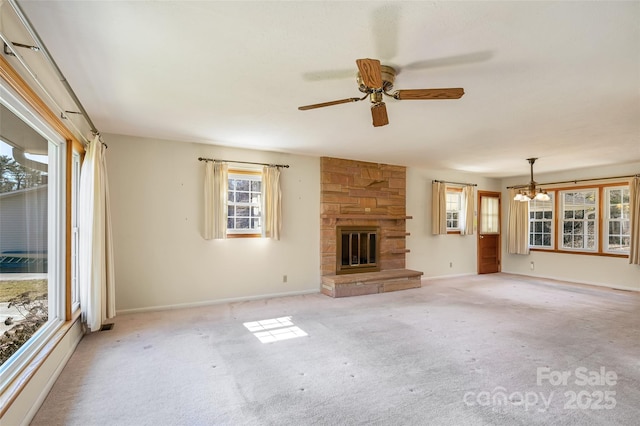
x=466 y=351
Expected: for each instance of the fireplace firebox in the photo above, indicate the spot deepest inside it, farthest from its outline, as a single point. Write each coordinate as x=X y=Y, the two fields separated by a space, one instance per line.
x=357 y=249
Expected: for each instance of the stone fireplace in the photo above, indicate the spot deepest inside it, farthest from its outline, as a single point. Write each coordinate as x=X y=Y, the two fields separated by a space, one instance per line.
x=363 y=210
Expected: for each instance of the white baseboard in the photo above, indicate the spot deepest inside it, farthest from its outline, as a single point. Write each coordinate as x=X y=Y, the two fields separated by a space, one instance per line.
x=595 y=284
x=215 y=302
x=438 y=277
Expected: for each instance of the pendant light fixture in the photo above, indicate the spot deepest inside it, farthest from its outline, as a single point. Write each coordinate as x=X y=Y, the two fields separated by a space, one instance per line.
x=529 y=192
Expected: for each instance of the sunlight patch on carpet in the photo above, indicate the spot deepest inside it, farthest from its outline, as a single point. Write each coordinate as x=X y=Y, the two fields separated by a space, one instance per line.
x=274 y=329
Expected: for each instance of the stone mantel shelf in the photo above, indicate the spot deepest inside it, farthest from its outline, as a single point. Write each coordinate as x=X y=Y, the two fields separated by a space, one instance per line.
x=365 y=216
x=397 y=234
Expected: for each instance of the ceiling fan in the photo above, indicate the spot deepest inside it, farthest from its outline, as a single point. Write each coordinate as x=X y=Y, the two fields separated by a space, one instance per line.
x=375 y=80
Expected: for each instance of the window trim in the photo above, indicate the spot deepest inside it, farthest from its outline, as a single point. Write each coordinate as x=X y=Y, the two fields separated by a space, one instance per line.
x=241 y=234
x=57 y=230
x=600 y=187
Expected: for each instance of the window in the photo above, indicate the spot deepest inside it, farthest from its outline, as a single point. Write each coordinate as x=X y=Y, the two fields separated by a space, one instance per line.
x=541 y=223
x=244 y=204
x=75 y=188
x=31 y=234
x=454 y=209
x=579 y=219
x=588 y=220
x=490 y=217
x=617 y=226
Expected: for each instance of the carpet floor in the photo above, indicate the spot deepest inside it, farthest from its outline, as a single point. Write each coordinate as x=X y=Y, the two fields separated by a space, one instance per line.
x=494 y=349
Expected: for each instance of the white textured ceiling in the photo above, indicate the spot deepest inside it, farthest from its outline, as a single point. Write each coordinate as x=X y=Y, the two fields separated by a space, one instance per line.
x=554 y=80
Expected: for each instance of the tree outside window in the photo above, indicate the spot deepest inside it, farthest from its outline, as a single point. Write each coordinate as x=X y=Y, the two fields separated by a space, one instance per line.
x=541 y=223
x=580 y=216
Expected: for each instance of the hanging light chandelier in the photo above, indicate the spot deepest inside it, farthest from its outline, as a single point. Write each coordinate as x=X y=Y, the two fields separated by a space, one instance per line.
x=528 y=192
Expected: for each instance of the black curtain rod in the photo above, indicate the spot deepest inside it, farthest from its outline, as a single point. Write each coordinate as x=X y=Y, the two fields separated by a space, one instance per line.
x=456 y=183
x=286 y=166
x=573 y=181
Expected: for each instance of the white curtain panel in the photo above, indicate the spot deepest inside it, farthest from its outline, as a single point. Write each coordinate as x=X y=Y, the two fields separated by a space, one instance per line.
x=215 y=200
x=271 y=203
x=518 y=226
x=95 y=247
x=438 y=208
x=469 y=199
x=634 y=210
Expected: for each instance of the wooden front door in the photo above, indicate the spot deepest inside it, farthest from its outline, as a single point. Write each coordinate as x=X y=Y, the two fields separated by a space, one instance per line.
x=488 y=232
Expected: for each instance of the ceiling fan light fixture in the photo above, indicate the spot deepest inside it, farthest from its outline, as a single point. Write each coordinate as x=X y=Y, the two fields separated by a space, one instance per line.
x=542 y=195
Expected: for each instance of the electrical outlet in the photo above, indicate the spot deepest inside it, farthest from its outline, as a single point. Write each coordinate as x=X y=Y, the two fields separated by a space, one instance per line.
x=532 y=266
x=284 y=278
x=450 y=264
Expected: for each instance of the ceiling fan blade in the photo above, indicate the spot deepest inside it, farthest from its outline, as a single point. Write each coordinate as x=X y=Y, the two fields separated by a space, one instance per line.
x=450 y=93
x=455 y=60
x=326 y=104
x=370 y=72
x=379 y=114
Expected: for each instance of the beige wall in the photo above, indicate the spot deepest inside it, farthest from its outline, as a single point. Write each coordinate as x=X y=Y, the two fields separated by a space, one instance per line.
x=161 y=260
x=439 y=255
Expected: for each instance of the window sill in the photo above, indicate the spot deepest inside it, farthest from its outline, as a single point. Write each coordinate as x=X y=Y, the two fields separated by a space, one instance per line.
x=244 y=235
x=586 y=253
